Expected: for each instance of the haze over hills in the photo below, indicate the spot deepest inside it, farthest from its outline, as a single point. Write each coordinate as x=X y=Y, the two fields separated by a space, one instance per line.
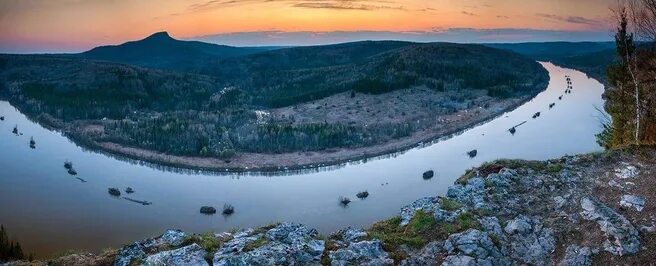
x=160 y=50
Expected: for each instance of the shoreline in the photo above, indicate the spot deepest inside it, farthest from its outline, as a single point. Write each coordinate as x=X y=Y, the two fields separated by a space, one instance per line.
x=286 y=162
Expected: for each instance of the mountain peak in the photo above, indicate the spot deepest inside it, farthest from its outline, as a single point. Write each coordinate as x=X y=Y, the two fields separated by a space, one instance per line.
x=162 y=35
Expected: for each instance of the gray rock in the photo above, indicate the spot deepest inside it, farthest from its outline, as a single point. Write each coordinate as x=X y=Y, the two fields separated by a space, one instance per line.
x=529 y=241
x=472 y=243
x=459 y=260
x=471 y=194
x=559 y=202
x=577 y=256
x=428 y=255
x=173 y=237
x=192 y=255
x=633 y=201
x=139 y=249
x=491 y=225
x=626 y=239
x=427 y=204
x=361 y=253
x=285 y=244
x=350 y=234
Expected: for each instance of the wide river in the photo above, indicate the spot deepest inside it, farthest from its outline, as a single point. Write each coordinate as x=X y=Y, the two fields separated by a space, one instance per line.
x=50 y=212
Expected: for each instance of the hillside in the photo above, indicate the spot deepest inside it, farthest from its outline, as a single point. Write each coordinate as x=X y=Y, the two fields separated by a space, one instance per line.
x=592 y=58
x=244 y=106
x=160 y=50
x=289 y=76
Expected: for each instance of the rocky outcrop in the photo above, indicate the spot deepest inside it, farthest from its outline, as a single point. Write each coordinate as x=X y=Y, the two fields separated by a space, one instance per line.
x=285 y=244
x=361 y=253
x=192 y=255
x=137 y=251
x=623 y=238
x=476 y=245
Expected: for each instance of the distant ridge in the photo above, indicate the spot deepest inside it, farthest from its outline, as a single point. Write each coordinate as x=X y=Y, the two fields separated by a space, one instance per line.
x=160 y=50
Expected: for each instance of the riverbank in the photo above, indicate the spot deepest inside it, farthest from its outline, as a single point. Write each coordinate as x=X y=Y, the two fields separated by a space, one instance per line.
x=446 y=125
x=577 y=210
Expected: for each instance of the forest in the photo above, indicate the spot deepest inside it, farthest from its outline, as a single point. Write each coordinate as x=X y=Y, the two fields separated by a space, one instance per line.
x=212 y=111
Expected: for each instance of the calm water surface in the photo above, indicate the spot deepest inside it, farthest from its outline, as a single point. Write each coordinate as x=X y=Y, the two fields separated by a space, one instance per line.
x=49 y=211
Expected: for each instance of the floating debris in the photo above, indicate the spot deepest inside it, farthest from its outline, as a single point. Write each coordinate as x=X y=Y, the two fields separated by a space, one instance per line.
x=32 y=143
x=81 y=180
x=142 y=202
x=114 y=191
x=428 y=174
x=72 y=171
x=207 y=210
x=472 y=153
x=362 y=195
x=129 y=190
x=68 y=165
x=228 y=209
x=15 y=131
x=344 y=201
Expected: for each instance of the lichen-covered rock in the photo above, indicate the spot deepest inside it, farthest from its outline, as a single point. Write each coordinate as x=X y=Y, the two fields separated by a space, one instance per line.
x=476 y=244
x=427 y=204
x=529 y=241
x=633 y=201
x=471 y=194
x=624 y=237
x=192 y=255
x=491 y=225
x=427 y=256
x=361 y=253
x=285 y=244
x=577 y=256
x=349 y=234
x=459 y=260
x=138 y=250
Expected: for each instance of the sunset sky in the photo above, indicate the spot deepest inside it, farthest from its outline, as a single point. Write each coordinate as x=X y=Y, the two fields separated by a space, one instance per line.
x=77 y=25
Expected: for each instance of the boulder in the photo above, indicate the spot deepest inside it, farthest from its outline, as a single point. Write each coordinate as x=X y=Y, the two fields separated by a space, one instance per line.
x=207 y=210
x=428 y=174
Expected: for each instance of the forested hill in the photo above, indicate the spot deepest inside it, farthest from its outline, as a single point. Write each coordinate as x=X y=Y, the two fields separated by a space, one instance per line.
x=593 y=58
x=288 y=76
x=162 y=51
x=226 y=106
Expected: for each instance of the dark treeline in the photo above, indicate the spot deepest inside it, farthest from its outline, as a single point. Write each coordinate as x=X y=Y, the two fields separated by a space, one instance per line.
x=631 y=96
x=9 y=250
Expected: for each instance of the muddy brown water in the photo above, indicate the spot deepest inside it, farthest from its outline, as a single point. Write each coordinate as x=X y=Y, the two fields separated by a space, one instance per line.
x=50 y=211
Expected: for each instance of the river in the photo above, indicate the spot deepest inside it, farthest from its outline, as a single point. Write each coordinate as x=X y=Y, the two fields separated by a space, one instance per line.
x=48 y=211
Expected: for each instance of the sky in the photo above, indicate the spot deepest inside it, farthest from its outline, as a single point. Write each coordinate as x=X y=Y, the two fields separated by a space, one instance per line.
x=48 y=26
